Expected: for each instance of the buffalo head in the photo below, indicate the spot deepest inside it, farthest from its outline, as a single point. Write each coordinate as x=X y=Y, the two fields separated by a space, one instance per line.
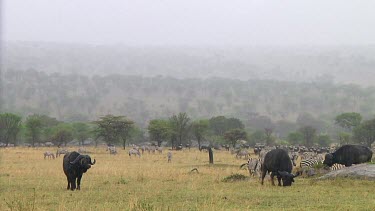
x=84 y=161
x=328 y=160
x=287 y=177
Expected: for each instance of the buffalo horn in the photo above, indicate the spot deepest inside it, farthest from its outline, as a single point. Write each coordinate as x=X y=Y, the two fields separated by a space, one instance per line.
x=77 y=159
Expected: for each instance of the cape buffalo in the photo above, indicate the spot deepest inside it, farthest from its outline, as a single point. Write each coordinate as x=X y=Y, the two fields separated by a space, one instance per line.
x=348 y=155
x=74 y=165
x=278 y=162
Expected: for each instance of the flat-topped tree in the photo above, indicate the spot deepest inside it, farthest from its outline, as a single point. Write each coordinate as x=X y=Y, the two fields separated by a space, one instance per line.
x=113 y=128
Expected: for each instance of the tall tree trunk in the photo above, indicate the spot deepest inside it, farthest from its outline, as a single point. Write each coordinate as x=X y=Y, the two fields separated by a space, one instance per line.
x=210 y=155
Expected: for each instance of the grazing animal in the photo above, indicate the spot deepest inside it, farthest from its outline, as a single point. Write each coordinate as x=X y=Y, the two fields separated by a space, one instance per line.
x=253 y=165
x=278 y=163
x=336 y=167
x=82 y=150
x=204 y=148
x=49 y=155
x=61 y=152
x=348 y=155
x=179 y=147
x=134 y=152
x=159 y=149
x=241 y=153
x=112 y=150
x=74 y=165
x=169 y=155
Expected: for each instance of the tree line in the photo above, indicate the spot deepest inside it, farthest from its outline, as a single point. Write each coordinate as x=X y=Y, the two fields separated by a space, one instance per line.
x=178 y=129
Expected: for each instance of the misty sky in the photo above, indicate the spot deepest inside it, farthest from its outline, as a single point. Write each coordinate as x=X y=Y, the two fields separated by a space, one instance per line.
x=191 y=22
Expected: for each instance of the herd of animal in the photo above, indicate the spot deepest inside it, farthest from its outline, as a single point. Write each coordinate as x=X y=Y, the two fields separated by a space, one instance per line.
x=278 y=162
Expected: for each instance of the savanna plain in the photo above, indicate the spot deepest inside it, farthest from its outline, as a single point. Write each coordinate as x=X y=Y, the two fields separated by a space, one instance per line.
x=118 y=182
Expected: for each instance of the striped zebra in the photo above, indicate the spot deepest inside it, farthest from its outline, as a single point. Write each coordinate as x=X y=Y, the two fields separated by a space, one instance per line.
x=159 y=149
x=134 y=152
x=310 y=163
x=112 y=150
x=241 y=153
x=336 y=167
x=49 y=155
x=253 y=165
x=61 y=152
x=169 y=155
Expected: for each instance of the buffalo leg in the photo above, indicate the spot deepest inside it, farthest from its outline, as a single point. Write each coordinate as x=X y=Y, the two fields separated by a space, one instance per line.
x=79 y=182
x=272 y=177
x=263 y=175
x=73 y=183
x=279 y=180
x=68 y=183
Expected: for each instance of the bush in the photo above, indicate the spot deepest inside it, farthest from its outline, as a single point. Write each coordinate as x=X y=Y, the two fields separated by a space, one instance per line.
x=234 y=177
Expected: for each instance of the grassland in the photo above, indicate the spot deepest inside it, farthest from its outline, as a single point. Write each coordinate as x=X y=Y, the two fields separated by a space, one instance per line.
x=28 y=182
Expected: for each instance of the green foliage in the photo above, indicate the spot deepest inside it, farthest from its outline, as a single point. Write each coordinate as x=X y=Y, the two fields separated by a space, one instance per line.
x=81 y=131
x=113 y=128
x=34 y=128
x=61 y=134
x=159 y=130
x=295 y=138
x=348 y=120
x=220 y=124
x=234 y=178
x=10 y=125
x=180 y=126
x=344 y=138
x=232 y=136
x=365 y=132
x=323 y=140
x=199 y=129
x=258 y=137
x=309 y=134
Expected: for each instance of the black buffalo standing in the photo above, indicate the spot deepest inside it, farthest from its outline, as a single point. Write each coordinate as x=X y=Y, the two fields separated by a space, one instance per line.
x=277 y=162
x=74 y=166
x=348 y=155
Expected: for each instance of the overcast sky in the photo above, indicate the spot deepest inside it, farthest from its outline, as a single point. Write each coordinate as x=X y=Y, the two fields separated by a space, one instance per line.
x=191 y=22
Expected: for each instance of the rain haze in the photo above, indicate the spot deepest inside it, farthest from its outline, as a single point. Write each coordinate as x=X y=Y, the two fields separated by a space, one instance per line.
x=187 y=104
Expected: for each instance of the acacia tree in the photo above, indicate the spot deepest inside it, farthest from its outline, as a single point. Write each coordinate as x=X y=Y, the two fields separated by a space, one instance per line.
x=113 y=128
x=62 y=134
x=34 y=127
x=180 y=126
x=10 y=125
x=270 y=140
x=308 y=133
x=348 y=121
x=158 y=130
x=199 y=128
x=365 y=132
x=81 y=131
x=233 y=135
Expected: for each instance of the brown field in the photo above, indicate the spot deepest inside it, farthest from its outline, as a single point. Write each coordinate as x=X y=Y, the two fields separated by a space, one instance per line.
x=28 y=182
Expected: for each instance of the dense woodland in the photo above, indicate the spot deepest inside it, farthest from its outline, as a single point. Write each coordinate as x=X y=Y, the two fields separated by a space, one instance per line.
x=262 y=106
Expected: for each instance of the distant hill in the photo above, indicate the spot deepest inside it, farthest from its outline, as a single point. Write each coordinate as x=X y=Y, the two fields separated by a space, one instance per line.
x=302 y=64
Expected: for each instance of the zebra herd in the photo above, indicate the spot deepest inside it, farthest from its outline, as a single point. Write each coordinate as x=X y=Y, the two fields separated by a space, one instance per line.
x=302 y=162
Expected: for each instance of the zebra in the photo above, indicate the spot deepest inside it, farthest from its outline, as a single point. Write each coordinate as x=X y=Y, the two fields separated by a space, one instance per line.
x=253 y=165
x=112 y=150
x=241 y=153
x=134 y=152
x=169 y=155
x=336 y=167
x=159 y=149
x=82 y=150
x=49 y=155
x=61 y=152
x=310 y=163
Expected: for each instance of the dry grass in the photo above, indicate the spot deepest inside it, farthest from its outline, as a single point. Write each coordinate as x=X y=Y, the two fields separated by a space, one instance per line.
x=28 y=182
